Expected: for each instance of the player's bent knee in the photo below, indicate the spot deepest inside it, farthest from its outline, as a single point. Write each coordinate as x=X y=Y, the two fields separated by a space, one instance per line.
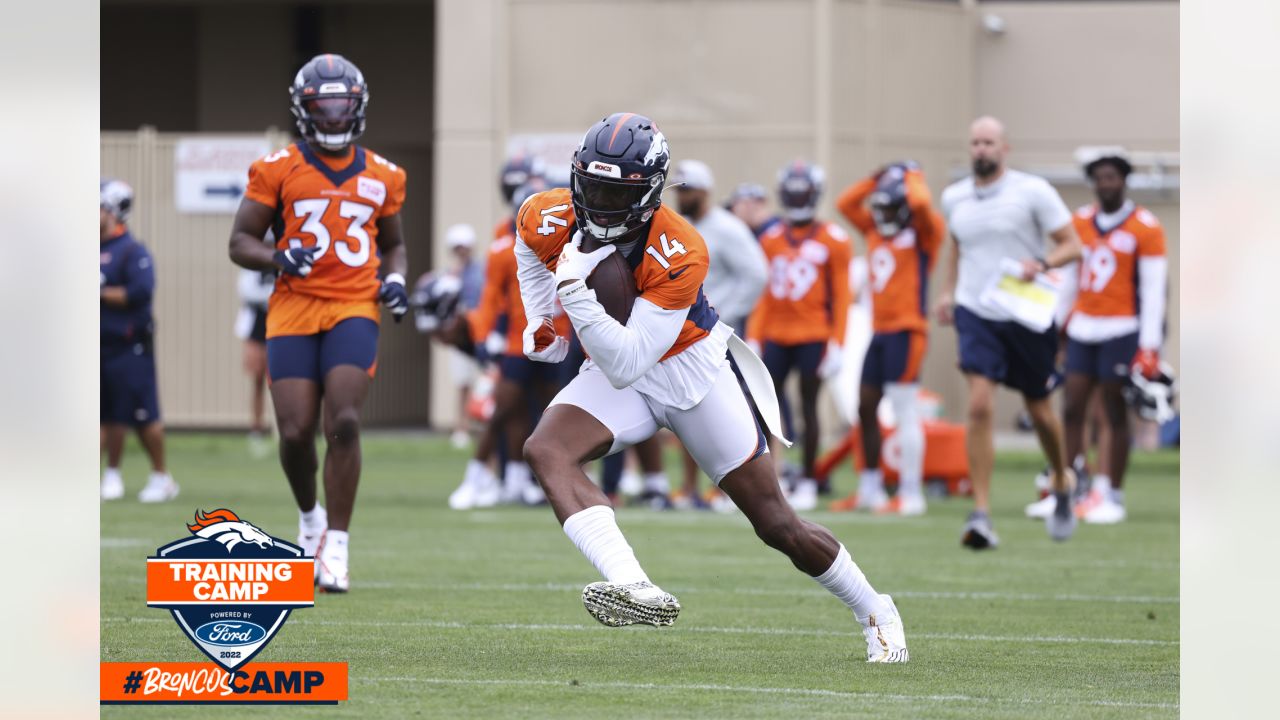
x=292 y=433
x=543 y=454
x=345 y=426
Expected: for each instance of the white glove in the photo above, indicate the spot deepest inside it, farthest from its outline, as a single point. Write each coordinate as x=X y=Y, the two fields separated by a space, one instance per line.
x=831 y=361
x=552 y=353
x=574 y=266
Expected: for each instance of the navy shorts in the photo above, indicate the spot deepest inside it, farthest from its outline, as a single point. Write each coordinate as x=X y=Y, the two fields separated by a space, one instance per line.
x=523 y=371
x=782 y=359
x=353 y=341
x=893 y=358
x=129 y=395
x=1107 y=361
x=1008 y=353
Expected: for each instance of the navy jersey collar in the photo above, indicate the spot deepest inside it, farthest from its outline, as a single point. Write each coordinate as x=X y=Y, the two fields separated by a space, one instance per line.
x=337 y=177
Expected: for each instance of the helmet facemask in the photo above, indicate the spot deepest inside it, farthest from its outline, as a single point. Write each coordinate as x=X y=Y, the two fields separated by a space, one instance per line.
x=609 y=208
x=331 y=121
x=891 y=214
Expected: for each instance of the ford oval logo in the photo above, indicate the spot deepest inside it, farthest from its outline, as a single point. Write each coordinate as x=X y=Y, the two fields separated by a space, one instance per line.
x=230 y=633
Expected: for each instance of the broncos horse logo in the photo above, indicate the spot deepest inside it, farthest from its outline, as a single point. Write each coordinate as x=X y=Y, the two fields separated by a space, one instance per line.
x=227 y=528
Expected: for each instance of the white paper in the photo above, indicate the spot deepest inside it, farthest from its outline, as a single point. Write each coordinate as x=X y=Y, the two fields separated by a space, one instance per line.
x=1030 y=304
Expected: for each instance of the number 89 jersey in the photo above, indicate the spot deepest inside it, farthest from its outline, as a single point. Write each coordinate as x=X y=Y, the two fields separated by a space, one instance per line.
x=333 y=204
x=1107 y=300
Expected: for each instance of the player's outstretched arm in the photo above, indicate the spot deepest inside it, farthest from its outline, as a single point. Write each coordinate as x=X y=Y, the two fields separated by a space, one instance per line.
x=250 y=226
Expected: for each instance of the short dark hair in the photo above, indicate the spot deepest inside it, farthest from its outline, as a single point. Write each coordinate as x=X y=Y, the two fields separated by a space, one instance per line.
x=1122 y=166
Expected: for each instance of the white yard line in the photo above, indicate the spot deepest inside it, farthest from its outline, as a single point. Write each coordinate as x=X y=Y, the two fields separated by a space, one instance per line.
x=753 y=689
x=454 y=625
x=783 y=592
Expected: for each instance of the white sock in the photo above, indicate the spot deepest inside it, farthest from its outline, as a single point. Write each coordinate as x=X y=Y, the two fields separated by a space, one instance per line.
x=656 y=482
x=517 y=474
x=315 y=518
x=910 y=435
x=336 y=538
x=595 y=532
x=1117 y=496
x=1102 y=483
x=870 y=482
x=845 y=580
x=159 y=476
x=112 y=475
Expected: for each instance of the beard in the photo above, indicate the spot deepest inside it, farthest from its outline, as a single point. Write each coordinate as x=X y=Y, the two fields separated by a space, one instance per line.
x=983 y=167
x=689 y=207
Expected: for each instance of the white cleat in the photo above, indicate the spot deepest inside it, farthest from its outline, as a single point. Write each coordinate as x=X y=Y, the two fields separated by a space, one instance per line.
x=160 y=488
x=479 y=488
x=886 y=640
x=912 y=505
x=616 y=604
x=112 y=486
x=1042 y=508
x=331 y=566
x=1106 y=513
x=805 y=495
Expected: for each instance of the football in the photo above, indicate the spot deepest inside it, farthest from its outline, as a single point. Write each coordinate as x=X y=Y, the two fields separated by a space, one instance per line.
x=613 y=281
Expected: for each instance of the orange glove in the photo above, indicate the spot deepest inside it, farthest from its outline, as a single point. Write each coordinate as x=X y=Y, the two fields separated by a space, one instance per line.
x=1147 y=362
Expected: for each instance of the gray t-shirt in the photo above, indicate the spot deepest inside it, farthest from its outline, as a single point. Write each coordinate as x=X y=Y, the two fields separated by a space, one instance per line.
x=1009 y=218
x=737 y=271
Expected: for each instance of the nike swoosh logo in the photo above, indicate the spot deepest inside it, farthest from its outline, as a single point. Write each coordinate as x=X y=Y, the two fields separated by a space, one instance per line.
x=673 y=274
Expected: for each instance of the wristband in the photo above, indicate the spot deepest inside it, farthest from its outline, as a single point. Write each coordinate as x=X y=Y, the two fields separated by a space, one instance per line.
x=394 y=278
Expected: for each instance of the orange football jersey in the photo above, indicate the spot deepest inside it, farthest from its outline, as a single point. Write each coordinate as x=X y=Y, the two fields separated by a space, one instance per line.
x=899 y=266
x=501 y=296
x=334 y=204
x=1109 y=268
x=669 y=263
x=807 y=298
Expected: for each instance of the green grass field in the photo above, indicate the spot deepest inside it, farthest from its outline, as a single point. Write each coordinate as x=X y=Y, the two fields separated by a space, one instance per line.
x=477 y=614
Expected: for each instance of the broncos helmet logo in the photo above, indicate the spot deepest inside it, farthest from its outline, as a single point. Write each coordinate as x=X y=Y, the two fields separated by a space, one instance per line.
x=227 y=528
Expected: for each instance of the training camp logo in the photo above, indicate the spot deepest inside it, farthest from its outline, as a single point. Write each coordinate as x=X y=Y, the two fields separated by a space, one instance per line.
x=230 y=586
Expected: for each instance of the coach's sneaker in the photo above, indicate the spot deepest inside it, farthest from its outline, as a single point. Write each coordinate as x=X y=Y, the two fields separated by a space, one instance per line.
x=160 y=488
x=617 y=604
x=886 y=640
x=332 y=562
x=978 y=533
x=805 y=495
x=1061 y=524
x=112 y=484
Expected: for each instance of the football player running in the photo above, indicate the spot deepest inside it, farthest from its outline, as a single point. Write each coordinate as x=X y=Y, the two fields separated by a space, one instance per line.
x=339 y=252
x=1116 y=327
x=672 y=365
x=903 y=234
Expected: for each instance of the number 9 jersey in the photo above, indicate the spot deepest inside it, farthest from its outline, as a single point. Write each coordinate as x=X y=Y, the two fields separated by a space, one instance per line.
x=333 y=204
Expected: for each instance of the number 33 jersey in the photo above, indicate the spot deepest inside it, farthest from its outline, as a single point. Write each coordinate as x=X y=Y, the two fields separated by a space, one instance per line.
x=1107 y=299
x=333 y=204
